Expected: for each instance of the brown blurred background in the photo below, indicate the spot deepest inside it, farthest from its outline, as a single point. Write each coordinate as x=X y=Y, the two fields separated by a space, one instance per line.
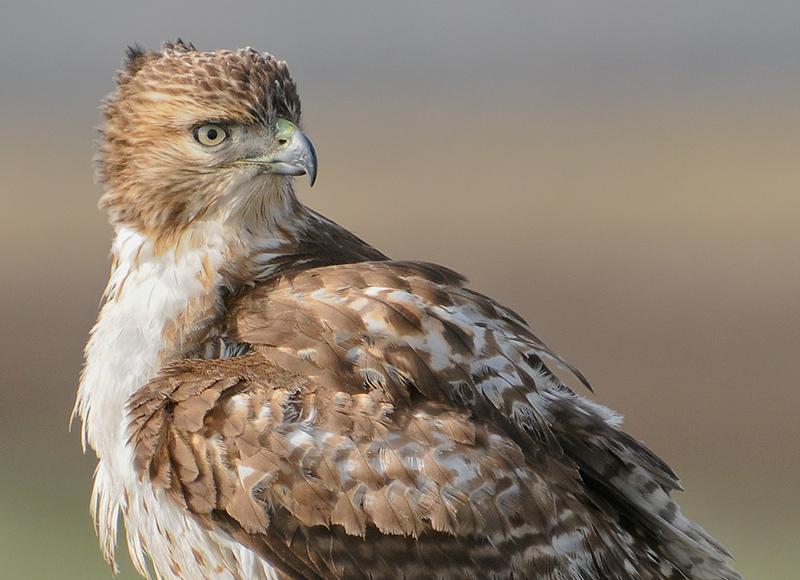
x=626 y=176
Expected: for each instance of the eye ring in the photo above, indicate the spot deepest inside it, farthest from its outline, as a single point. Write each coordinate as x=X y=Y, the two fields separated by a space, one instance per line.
x=210 y=135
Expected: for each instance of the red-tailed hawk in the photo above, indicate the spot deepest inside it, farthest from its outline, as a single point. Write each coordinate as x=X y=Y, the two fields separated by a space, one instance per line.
x=271 y=397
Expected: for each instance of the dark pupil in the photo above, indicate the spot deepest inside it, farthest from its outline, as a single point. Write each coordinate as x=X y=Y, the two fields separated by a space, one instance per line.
x=212 y=134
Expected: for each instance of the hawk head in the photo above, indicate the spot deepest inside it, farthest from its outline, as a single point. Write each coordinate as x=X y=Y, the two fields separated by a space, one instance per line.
x=194 y=136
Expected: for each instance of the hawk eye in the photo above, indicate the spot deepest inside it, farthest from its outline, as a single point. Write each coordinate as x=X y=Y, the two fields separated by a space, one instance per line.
x=210 y=135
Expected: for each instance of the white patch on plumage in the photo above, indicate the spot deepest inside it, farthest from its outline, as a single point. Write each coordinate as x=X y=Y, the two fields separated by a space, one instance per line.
x=468 y=319
x=145 y=293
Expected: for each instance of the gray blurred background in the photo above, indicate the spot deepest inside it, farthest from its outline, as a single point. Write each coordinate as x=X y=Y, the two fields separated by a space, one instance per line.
x=625 y=175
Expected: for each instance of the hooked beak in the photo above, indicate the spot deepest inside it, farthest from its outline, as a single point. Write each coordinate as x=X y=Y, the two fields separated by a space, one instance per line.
x=293 y=154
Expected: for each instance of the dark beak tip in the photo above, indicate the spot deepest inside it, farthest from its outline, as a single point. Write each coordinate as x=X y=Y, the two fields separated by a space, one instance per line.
x=310 y=166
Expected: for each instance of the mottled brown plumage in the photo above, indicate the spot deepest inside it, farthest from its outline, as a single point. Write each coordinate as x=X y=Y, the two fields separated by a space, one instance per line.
x=357 y=444
x=271 y=397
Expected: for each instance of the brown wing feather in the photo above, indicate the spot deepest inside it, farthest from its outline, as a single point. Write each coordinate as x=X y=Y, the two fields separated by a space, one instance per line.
x=389 y=423
x=276 y=460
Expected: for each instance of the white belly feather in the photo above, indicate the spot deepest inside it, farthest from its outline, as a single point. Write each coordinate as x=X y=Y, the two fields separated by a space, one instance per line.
x=145 y=293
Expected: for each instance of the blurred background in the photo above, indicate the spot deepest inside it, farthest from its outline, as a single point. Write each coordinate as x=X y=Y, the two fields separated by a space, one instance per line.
x=625 y=175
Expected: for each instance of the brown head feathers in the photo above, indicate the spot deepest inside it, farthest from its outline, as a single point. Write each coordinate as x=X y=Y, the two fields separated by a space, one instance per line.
x=157 y=178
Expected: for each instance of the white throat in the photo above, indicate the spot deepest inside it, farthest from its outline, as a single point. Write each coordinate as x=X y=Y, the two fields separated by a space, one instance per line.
x=156 y=293
x=160 y=303
x=146 y=293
